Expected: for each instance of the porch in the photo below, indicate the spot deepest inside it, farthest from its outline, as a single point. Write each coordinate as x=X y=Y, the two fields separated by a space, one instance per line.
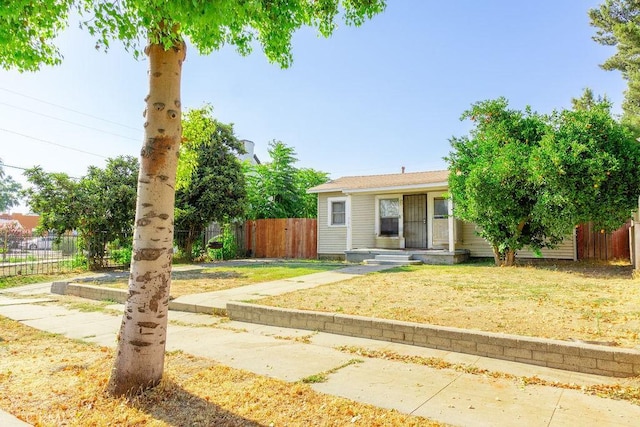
x=425 y=256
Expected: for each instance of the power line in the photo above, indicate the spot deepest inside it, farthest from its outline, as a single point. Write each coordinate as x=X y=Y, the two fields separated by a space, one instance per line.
x=53 y=143
x=68 y=109
x=4 y=165
x=67 y=121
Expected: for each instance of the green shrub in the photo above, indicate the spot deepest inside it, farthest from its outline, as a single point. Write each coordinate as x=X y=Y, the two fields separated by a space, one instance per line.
x=229 y=248
x=121 y=256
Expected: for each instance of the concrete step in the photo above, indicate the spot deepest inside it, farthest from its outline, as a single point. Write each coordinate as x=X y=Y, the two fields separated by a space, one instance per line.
x=391 y=257
x=377 y=261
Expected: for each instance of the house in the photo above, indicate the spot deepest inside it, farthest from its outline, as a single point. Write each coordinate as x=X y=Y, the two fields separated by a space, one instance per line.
x=360 y=217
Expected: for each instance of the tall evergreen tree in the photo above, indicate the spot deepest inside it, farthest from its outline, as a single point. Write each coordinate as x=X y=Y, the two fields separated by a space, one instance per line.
x=211 y=184
x=277 y=189
x=618 y=24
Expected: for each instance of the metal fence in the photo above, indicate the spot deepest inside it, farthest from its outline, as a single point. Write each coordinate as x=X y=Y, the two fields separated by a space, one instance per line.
x=27 y=254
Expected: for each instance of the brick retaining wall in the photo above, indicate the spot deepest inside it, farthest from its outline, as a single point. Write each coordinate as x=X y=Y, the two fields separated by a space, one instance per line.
x=571 y=356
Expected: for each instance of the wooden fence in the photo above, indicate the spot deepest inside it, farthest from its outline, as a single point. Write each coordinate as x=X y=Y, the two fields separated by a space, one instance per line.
x=594 y=244
x=281 y=238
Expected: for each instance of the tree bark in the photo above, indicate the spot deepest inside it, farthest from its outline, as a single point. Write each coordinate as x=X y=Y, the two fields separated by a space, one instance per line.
x=510 y=258
x=497 y=258
x=139 y=362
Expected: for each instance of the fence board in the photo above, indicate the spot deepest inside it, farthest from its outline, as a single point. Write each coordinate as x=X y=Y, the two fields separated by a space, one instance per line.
x=281 y=238
x=593 y=244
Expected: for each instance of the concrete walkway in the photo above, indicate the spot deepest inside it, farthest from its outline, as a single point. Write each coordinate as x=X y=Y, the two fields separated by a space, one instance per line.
x=444 y=395
x=205 y=302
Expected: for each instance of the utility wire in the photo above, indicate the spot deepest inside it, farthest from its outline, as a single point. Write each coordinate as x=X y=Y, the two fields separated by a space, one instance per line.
x=4 y=165
x=53 y=143
x=68 y=109
x=67 y=121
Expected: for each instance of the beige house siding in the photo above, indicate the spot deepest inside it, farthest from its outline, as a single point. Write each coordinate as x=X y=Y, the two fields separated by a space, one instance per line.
x=363 y=220
x=478 y=247
x=331 y=240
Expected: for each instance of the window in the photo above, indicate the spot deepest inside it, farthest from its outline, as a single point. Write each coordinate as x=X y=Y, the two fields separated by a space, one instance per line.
x=389 y=216
x=440 y=208
x=337 y=215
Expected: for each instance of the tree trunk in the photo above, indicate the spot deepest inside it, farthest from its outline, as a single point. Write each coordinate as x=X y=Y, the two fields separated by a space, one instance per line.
x=139 y=362
x=510 y=258
x=497 y=256
x=506 y=259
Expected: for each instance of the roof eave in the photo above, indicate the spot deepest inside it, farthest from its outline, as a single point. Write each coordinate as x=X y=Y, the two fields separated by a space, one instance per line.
x=413 y=187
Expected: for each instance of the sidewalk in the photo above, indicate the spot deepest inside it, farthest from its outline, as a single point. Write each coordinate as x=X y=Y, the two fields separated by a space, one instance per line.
x=444 y=395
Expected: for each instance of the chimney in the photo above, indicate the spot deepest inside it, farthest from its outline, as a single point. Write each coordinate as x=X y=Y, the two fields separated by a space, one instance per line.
x=402 y=169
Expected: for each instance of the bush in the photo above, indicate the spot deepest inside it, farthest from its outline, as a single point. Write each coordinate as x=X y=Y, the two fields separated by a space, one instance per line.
x=229 y=248
x=121 y=256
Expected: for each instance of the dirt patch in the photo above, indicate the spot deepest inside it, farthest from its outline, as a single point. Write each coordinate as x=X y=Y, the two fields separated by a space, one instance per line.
x=566 y=301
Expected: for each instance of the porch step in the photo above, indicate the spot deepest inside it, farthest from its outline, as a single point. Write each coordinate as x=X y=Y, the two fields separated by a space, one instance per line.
x=392 y=260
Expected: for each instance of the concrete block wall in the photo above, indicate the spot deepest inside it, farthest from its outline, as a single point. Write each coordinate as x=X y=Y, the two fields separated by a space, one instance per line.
x=99 y=293
x=571 y=356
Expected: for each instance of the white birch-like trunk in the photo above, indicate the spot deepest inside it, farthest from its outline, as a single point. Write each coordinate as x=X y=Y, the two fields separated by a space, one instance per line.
x=139 y=362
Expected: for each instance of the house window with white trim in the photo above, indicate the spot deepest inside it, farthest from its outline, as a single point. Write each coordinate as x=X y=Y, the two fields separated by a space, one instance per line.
x=337 y=216
x=440 y=208
x=389 y=214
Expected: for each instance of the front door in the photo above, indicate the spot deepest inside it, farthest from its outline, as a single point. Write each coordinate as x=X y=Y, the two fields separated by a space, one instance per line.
x=415 y=221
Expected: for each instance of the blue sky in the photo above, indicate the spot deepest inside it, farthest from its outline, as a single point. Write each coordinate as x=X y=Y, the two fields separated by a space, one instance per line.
x=368 y=100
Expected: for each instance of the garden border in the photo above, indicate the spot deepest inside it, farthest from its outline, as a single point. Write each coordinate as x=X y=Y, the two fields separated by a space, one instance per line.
x=567 y=355
x=571 y=356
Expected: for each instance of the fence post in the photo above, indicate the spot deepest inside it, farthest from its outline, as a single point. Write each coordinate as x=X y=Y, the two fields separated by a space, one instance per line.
x=634 y=244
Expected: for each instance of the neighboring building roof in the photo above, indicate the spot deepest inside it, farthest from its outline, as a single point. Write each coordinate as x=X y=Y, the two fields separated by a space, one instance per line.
x=396 y=181
x=28 y=222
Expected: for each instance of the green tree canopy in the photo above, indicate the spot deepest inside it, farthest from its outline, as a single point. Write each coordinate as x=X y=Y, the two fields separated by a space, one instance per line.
x=100 y=205
x=56 y=198
x=277 y=189
x=29 y=29
x=527 y=180
x=490 y=183
x=588 y=167
x=618 y=24
x=210 y=183
x=108 y=206
x=588 y=100
x=9 y=191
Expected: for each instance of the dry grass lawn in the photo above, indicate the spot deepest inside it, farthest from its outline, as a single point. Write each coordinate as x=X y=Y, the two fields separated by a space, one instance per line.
x=227 y=277
x=48 y=380
x=562 y=300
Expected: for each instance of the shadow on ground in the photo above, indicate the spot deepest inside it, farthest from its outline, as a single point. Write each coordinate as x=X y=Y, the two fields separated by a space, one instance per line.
x=178 y=407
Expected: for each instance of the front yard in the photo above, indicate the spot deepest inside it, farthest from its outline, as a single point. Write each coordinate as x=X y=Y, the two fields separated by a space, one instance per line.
x=231 y=275
x=563 y=300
